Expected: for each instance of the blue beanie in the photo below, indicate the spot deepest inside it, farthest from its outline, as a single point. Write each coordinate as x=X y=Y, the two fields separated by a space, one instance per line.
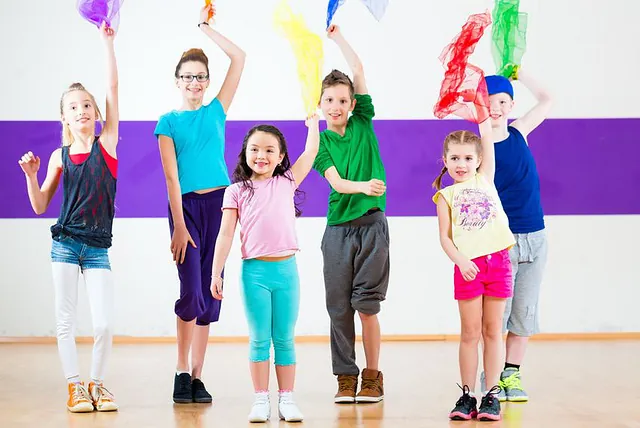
x=498 y=84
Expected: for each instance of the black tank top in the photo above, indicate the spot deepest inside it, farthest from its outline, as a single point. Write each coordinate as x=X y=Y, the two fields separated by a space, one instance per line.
x=88 y=200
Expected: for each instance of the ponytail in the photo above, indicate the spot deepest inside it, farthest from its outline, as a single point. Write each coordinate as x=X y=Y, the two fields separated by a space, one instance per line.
x=437 y=183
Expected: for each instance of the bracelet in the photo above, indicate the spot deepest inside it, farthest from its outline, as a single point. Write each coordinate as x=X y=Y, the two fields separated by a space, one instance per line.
x=203 y=23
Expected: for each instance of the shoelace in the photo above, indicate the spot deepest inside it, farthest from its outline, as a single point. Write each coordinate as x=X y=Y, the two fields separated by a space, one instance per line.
x=104 y=393
x=346 y=384
x=487 y=400
x=79 y=393
x=370 y=384
x=512 y=382
x=287 y=399
x=465 y=395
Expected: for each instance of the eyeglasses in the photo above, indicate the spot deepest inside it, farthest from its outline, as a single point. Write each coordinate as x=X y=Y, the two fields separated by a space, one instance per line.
x=189 y=77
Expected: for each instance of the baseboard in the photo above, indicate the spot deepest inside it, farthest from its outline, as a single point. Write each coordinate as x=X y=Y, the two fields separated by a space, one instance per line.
x=131 y=340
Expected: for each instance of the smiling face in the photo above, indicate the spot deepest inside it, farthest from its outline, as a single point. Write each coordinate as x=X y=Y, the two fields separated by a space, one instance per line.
x=79 y=112
x=193 y=80
x=336 y=103
x=263 y=154
x=501 y=105
x=462 y=161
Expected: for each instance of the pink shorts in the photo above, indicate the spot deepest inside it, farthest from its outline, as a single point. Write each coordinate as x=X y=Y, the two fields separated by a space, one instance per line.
x=494 y=278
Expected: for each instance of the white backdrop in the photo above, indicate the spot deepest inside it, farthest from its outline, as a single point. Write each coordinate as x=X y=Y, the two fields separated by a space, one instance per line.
x=590 y=285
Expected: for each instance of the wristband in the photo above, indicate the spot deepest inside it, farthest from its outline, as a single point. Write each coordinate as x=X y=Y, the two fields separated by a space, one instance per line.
x=203 y=23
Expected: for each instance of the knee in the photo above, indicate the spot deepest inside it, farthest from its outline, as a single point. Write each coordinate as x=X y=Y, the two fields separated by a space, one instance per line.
x=367 y=318
x=102 y=331
x=190 y=306
x=470 y=335
x=492 y=331
x=65 y=328
x=259 y=350
x=284 y=350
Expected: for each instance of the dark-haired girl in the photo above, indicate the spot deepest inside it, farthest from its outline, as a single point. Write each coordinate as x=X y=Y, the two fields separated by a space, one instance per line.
x=262 y=200
x=192 y=141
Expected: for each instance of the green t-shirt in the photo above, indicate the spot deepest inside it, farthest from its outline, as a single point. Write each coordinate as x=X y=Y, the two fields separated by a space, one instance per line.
x=356 y=157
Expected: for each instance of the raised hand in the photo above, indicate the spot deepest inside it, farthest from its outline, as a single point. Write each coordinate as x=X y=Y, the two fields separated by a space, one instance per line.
x=312 y=121
x=207 y=13
x=29 y=163
x=107 y=33
x=333 y=31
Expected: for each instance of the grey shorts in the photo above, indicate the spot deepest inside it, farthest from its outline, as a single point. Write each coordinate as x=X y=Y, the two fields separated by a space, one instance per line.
x=356 y=263
x=528 y=261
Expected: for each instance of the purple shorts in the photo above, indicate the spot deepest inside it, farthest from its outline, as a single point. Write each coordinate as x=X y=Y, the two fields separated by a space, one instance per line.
x=202 y=215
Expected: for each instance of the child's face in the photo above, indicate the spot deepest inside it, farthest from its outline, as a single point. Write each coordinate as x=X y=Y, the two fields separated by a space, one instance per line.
x=79 y=112
x=263 y=154
x=500 y=106
x=194 y=90
x=462 y=161
x=336 y=103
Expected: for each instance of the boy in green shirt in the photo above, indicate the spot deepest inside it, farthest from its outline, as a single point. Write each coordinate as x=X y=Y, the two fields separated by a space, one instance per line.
x=355 y=245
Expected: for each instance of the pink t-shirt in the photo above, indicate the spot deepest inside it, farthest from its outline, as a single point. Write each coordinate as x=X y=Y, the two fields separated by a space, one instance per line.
x=267 y=219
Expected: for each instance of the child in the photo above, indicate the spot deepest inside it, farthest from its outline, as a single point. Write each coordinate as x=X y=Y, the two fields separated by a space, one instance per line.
x=82 y=235
x=474 y=233
x=518 y=185
x=262 y=200
x=355 y=246
x=191 y=144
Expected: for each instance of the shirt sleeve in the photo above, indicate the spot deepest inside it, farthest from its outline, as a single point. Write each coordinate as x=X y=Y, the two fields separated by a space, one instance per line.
x=364 y=107
x=230 y=199
x=215 y=109
x=163 y=127
x=323 y=159
x=290 y=179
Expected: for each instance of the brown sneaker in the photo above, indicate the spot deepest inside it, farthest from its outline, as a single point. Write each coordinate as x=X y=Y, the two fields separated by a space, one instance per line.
x=372 y=389
x=347 y=386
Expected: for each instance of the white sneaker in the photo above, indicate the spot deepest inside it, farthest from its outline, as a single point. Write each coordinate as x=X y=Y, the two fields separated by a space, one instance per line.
x=287 y=408
x=261 y=409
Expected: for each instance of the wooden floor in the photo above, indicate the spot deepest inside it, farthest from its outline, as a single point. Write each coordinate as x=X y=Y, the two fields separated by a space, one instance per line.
x=571 y=384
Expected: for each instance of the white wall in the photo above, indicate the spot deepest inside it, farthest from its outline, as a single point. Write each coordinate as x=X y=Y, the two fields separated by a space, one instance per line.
x=591 y=281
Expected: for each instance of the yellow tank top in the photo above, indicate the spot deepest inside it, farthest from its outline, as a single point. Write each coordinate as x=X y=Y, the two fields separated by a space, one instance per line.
x=478 y=222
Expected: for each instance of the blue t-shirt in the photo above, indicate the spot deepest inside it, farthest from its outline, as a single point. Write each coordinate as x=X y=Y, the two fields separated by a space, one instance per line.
x=518 y=183
x=198 y=137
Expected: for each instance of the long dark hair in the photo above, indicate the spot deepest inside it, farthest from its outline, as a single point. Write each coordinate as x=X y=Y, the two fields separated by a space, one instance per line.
x=243 y=172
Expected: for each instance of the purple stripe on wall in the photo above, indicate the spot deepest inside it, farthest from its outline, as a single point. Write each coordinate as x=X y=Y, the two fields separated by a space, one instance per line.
x=579 y=160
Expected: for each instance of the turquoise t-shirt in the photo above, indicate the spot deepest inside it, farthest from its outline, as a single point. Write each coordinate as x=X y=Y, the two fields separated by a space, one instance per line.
x=198 y=137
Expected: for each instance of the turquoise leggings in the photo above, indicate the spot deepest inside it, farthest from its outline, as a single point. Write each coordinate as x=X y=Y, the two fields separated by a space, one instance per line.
x=271 y=294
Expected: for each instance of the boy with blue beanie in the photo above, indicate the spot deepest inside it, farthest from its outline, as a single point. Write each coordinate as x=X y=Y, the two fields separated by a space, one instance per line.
x=518 y=185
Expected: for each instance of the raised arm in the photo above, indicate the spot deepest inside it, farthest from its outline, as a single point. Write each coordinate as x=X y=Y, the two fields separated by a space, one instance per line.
x=534 y=117
x=235 y=54
x=352 y=58
x=40 y=197
x=303 y=165
x=468 y=268
x=109 y=135
x=488 y=165
x=222 y=249
x=181 y=237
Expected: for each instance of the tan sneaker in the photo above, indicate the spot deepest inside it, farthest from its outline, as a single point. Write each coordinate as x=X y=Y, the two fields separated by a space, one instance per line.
x=347 y=386
x=103 y=400
x=372 y=388
x=79 y=400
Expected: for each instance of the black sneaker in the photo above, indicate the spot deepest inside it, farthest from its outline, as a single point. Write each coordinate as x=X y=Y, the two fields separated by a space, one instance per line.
x=182 y=389
x=490 y=406
x=465 y=406
x=200 y=394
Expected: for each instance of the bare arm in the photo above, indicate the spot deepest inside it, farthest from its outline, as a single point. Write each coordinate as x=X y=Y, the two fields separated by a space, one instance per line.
x=224 y=240
x=303 y=165
x=109 y=135
x=341 y=185
x=534 y=117
x=235 y=54
x=40 y=197
x=359 y=81
x=488 y=165
x=468 y=268
x=170 y=168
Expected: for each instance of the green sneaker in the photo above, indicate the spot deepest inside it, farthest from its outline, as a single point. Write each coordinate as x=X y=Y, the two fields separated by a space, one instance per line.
x=512 y=386
x=483 y=387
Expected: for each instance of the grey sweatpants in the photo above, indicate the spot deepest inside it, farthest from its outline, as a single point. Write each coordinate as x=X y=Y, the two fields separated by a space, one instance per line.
x=356 y=277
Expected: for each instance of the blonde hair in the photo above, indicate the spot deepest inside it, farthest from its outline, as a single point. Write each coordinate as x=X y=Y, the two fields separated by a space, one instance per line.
x=459 y=138
x=67 y=136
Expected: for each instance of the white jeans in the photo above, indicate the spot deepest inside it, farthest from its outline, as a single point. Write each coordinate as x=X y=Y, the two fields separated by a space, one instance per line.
x=100 y=291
